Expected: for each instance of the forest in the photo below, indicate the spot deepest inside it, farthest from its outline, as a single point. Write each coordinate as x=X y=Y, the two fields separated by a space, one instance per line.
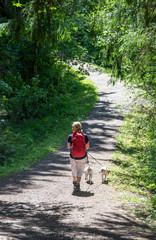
x=40 y=92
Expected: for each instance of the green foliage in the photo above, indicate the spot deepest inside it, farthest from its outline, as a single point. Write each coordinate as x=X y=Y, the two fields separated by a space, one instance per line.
x=27 y=102
x=8 y=148
x=122 y=37
x=26 y=141
x=35 y=84
x=35 y=42
x=137 y=146
x=134 y=159
x=40 y=96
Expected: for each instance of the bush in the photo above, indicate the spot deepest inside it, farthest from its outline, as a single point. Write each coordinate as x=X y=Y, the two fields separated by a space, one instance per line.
x=27 y=102
x=8 y=145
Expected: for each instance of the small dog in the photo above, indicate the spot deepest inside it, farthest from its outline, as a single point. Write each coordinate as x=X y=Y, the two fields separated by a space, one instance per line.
x=104 y=173
x=88 y=173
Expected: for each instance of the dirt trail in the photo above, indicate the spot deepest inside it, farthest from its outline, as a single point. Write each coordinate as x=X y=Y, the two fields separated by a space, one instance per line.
x=38 y=203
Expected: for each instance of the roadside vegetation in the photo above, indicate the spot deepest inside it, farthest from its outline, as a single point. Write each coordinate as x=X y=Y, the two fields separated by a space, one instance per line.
x=125 y=44
x=40 y=95
x=26 y=141
x=134 y=162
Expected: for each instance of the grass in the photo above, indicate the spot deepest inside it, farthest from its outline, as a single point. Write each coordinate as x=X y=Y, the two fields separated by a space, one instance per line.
x=134 y=162
x=28 y=141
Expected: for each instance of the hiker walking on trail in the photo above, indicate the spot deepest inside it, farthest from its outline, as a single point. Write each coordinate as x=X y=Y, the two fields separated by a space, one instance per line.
x=78 y=143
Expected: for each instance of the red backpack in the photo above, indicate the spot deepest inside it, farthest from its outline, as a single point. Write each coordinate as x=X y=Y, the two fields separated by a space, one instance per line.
x=78 y=145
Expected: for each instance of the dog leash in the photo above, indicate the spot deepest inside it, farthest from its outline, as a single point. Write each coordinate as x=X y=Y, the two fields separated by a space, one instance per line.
x=94 y=159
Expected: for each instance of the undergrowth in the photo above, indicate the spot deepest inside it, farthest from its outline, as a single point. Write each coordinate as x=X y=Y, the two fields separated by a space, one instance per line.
x=134 y=162
x=27 y=141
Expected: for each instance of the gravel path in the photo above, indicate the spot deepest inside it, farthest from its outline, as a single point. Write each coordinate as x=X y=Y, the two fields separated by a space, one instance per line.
x=39 y=203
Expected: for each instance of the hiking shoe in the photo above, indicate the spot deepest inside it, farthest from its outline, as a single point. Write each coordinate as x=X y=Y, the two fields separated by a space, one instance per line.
x=77 y=187
x=75 y=184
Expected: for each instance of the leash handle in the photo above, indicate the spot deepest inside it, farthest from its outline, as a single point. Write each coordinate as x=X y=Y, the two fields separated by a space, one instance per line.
x=94 y=159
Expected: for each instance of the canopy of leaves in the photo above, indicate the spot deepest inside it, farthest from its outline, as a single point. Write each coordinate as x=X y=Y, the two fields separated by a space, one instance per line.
x=123 y=37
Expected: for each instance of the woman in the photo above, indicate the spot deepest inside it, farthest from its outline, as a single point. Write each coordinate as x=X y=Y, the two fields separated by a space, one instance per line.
x=78 y=143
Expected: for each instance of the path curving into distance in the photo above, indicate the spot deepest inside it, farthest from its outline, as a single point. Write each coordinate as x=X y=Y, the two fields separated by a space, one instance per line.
x=38 y=204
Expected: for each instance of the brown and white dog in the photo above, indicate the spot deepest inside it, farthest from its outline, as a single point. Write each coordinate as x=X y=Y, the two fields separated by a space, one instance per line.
x=88 y=173
x=104 y=173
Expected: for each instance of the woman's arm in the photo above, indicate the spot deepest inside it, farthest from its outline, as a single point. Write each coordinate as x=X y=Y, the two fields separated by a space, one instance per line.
x=69 y=141
x=87 y=145
x=68 y=145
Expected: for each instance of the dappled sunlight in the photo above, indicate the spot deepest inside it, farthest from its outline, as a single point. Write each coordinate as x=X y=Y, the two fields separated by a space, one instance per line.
x=54 y=221
x=48 y=80
x=44 y=206
x=48 y=169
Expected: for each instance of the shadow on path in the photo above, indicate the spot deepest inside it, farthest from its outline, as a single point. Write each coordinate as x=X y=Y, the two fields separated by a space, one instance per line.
x=23 y=220
x=82 y=194
x=26 y=221
x=102 y=140
x=55 y=166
